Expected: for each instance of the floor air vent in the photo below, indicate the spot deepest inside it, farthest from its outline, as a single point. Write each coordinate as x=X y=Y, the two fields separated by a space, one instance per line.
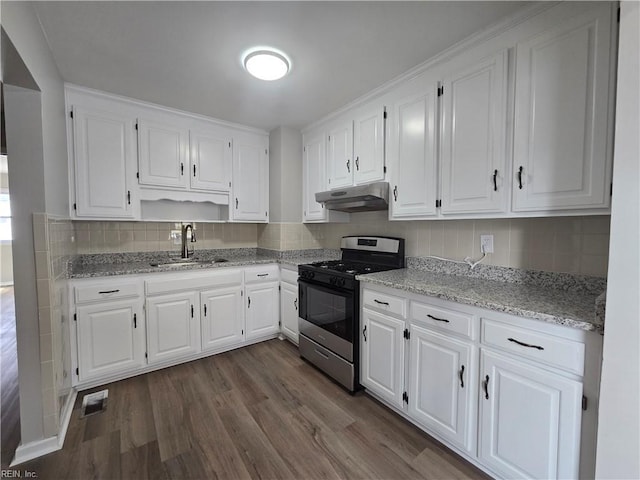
x=93 y=403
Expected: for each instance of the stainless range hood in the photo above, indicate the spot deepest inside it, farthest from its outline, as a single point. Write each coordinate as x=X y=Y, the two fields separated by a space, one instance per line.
x=363 y=198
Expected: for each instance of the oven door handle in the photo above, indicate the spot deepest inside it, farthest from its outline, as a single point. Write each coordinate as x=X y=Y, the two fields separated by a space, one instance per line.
x=364 y=333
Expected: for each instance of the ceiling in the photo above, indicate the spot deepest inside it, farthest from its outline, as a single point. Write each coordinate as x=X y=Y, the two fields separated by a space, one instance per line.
x=186 y=55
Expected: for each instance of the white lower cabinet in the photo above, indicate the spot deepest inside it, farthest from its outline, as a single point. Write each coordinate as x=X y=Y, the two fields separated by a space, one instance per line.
x=110 y=338
x=222 y=317
x=441 y=383
x=263 y=308
x=383 y=356
x=289 y=310
x=172 y=326
x=529 y=419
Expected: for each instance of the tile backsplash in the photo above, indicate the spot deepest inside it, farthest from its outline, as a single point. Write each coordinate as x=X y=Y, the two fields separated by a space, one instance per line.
x=118 y=237
x=559 y=244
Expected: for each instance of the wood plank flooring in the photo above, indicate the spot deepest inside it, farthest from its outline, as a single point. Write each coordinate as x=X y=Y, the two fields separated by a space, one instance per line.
x=258 y=412
x=9 y=401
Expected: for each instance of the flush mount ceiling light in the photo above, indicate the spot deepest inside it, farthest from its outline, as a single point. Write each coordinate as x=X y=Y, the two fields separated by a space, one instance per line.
x=266 y=63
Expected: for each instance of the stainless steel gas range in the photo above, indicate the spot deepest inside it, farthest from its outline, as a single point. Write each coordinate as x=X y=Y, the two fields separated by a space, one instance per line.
x=329 y=298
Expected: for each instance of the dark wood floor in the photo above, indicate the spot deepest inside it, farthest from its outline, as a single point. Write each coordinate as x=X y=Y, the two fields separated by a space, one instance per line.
x=9 y=402
x=255 y=412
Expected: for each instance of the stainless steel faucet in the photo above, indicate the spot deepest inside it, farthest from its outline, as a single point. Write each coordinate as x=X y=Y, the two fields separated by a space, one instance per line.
x=185 y=248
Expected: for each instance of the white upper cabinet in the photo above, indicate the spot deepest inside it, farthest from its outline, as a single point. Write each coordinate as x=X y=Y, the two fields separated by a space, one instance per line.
x=474 y=125
x=104 y=154
x=163 y=154
x=314 y=175
x=340 y=154
x=250 y=200
x=562 y=158
x=368 y=145
x=211 y=160
x=412 y=154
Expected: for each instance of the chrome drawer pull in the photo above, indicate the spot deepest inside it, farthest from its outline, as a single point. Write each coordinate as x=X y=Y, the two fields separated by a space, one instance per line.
x=438 y=319
x=110 y=291
x=525 y=344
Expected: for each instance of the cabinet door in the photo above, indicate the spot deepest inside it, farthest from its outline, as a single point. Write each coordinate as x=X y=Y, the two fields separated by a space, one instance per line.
x=413 y=156
x=382 y=347
x=562 y=157
x=163 y=157
x=103 y=154
x=210 y=160
x=314 y=172
x=529 y=420
x=262 y=310
x=222 y=317
x=110 y=338
x=368 y=146
x=441 y=377
x=474 y=123
x=340 y=155
x=250 y=180
x=172 y=326
x=289 y=310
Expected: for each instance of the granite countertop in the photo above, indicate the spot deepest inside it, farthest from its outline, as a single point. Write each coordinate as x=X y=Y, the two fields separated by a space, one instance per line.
x=573 y=307
x=111 y=264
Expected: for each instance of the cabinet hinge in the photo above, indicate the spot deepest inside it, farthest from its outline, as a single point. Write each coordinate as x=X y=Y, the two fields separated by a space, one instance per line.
x=405 y=398
x=136 y=125
x=584 y=402
x=384 y=115
x=384 y=169
x=241 y=293
x=229 y=144
x=441 y=91
x=266 y=151
x=266 y=214
x=71 y=112
x=279 y=323
x=329 y=137
x=75 y=206
x=304 y=149
x=75 y=317
x=406 y=334
x=611 y=190
x=137 y=174
x=146 y=355
x=279 y=287
x=618 y=15
x=438 y=203
x=77 y=371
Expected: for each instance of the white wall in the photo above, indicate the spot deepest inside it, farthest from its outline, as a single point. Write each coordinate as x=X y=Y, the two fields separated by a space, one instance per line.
x=36 y=146
x=618 y=453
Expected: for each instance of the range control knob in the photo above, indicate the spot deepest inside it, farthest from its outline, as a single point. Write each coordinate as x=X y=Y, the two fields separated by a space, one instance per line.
x=341 y=282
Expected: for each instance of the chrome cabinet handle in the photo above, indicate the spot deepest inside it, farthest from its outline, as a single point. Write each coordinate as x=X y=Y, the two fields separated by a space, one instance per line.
x=395 y=193
x=438 y=319
x=528 y=345
x=348 y=165
x=520 y=170
x=485 y=385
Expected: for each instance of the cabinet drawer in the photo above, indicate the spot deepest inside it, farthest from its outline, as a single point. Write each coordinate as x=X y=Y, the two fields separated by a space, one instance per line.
x=385 y=302
x=264 y=273
x=289 y=276
x=107 y=291
x=193 y=281
x=556 y=351
x=442 y=318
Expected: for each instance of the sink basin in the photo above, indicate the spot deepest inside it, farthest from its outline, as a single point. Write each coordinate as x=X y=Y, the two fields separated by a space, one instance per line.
x=186 y=262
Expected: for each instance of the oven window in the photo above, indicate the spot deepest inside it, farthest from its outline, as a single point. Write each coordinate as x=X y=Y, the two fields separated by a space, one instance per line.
x=330 y=310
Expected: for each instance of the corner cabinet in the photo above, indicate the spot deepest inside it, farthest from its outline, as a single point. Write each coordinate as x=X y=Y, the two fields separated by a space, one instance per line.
x=249 y=200
x=104 y=159
x=562 y=138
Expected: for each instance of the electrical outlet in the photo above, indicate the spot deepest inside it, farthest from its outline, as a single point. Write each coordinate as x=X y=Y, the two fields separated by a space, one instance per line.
x=486 y=243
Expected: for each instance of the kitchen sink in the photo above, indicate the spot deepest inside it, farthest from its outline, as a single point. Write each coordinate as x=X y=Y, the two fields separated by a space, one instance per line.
x=185 y=262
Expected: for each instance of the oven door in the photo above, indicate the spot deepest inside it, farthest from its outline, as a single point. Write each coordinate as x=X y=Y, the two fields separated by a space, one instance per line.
x=327 y=316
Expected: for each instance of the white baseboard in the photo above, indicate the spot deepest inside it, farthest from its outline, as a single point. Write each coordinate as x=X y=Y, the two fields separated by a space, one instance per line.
x=31 y=450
